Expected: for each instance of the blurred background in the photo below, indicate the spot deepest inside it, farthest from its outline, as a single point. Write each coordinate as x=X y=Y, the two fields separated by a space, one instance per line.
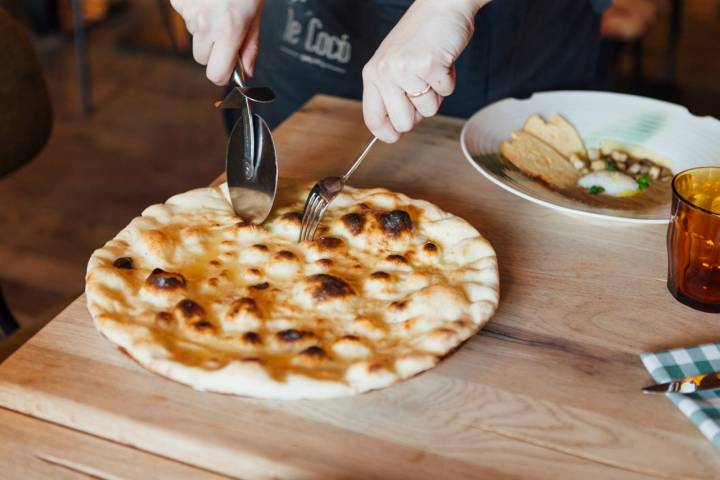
x=121 y=117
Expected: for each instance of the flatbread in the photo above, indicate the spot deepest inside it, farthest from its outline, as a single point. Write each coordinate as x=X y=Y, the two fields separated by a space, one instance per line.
x=537 y=159
x=558 y=133
x=389 y=287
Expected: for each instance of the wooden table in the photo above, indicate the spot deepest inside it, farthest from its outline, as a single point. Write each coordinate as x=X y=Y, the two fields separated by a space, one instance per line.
x=549 y=389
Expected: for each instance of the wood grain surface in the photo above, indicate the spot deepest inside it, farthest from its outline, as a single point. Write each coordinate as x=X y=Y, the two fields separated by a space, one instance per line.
x=35 y=449
x=549 y=389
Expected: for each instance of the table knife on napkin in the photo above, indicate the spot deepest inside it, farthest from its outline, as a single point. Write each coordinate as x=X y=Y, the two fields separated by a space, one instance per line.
x=696 y=383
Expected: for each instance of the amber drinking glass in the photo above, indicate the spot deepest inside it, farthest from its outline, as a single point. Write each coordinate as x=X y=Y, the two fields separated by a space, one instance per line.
x=693 y=240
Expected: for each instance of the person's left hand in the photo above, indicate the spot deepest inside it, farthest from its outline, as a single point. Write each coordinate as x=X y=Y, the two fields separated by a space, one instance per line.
x=413 y=69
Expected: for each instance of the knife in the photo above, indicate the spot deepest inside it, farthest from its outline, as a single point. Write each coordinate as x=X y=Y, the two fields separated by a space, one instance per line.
x=251 y=162
x=697 y=383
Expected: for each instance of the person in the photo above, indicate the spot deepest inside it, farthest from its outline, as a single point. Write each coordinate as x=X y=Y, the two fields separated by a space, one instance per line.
x=406 y=59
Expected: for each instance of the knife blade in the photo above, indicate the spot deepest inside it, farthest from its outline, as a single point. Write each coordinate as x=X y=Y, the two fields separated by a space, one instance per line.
x=696 y=383
x=251 y=163
x=252 y=181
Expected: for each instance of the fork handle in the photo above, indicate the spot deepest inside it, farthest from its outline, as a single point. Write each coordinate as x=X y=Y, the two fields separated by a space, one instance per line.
x=359 y=159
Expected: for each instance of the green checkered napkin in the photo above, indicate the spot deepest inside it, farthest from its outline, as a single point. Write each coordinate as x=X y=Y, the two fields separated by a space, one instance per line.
x=702 y=408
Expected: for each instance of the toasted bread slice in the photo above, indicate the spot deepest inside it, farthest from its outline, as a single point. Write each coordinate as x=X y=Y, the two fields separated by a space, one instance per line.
x=537 y=159
x=558 y=133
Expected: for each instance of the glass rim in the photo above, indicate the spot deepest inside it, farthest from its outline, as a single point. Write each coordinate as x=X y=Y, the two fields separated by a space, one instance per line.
x=685 y=200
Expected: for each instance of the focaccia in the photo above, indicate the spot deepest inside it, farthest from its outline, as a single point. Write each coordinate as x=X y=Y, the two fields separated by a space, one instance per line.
x=389 y=286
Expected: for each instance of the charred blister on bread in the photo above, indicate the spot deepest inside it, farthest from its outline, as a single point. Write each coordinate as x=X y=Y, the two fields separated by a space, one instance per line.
x=292 y=335
x=163 y=289
x=397 y=259
x=255 y=254
x=252 y=338
x=194 y=319
x=283 y=264
x=293 y=218
x=257 y=360
x=327 y=244
x=260 y=286
x=398 y=306
x=380 y=285
x=203 y=328
x=252 y=275
x=284 y=256
x=244 y=305
x=242 y=314
x=189 y=310
x=310 y=357
x=324 y=263
x=429 y=252
x=164 y=319
x=395 y=223
x=430 y=248
x=324 y=287
x=163 y=280
x=125 y=263
x=354 y=222
x=314 y=352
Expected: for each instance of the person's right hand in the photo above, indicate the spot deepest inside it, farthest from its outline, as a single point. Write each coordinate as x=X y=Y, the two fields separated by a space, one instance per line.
x=222 y=30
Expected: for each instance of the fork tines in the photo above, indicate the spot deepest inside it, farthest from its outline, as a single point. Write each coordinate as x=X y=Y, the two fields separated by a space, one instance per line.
x=315 y=207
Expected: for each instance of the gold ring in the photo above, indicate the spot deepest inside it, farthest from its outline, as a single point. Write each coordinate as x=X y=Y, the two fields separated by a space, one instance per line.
x=421 y=93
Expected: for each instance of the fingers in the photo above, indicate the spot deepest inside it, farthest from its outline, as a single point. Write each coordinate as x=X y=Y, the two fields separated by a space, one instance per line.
x=222 y=62
x=400 y=111
x=376 y=116
x=222 y=30
x=251 y=46
x=441 y=80
x=428 y=103
x=202 y=46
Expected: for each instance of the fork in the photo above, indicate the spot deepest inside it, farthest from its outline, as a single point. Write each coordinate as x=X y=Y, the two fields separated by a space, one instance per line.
x=323 y=192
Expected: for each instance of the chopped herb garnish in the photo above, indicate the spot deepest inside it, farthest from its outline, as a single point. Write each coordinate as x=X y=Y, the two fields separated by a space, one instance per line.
x=643 y=182
x=595 y=189
x=611 y=166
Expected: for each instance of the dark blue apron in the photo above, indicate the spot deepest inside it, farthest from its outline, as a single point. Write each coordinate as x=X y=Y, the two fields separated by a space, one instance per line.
x=519 y=47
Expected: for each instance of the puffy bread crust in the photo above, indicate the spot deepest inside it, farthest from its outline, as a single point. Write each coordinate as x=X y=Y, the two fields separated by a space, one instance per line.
x=390 y=286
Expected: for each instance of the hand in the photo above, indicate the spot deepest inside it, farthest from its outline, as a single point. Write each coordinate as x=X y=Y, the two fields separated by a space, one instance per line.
x=419 y=52
x=628 y=19
x=222 y=30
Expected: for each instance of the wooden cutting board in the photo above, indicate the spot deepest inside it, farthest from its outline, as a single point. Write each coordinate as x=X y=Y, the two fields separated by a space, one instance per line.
x=549 y=389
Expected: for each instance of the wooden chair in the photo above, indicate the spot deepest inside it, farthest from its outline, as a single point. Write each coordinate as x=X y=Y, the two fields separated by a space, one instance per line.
x=25 y=116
